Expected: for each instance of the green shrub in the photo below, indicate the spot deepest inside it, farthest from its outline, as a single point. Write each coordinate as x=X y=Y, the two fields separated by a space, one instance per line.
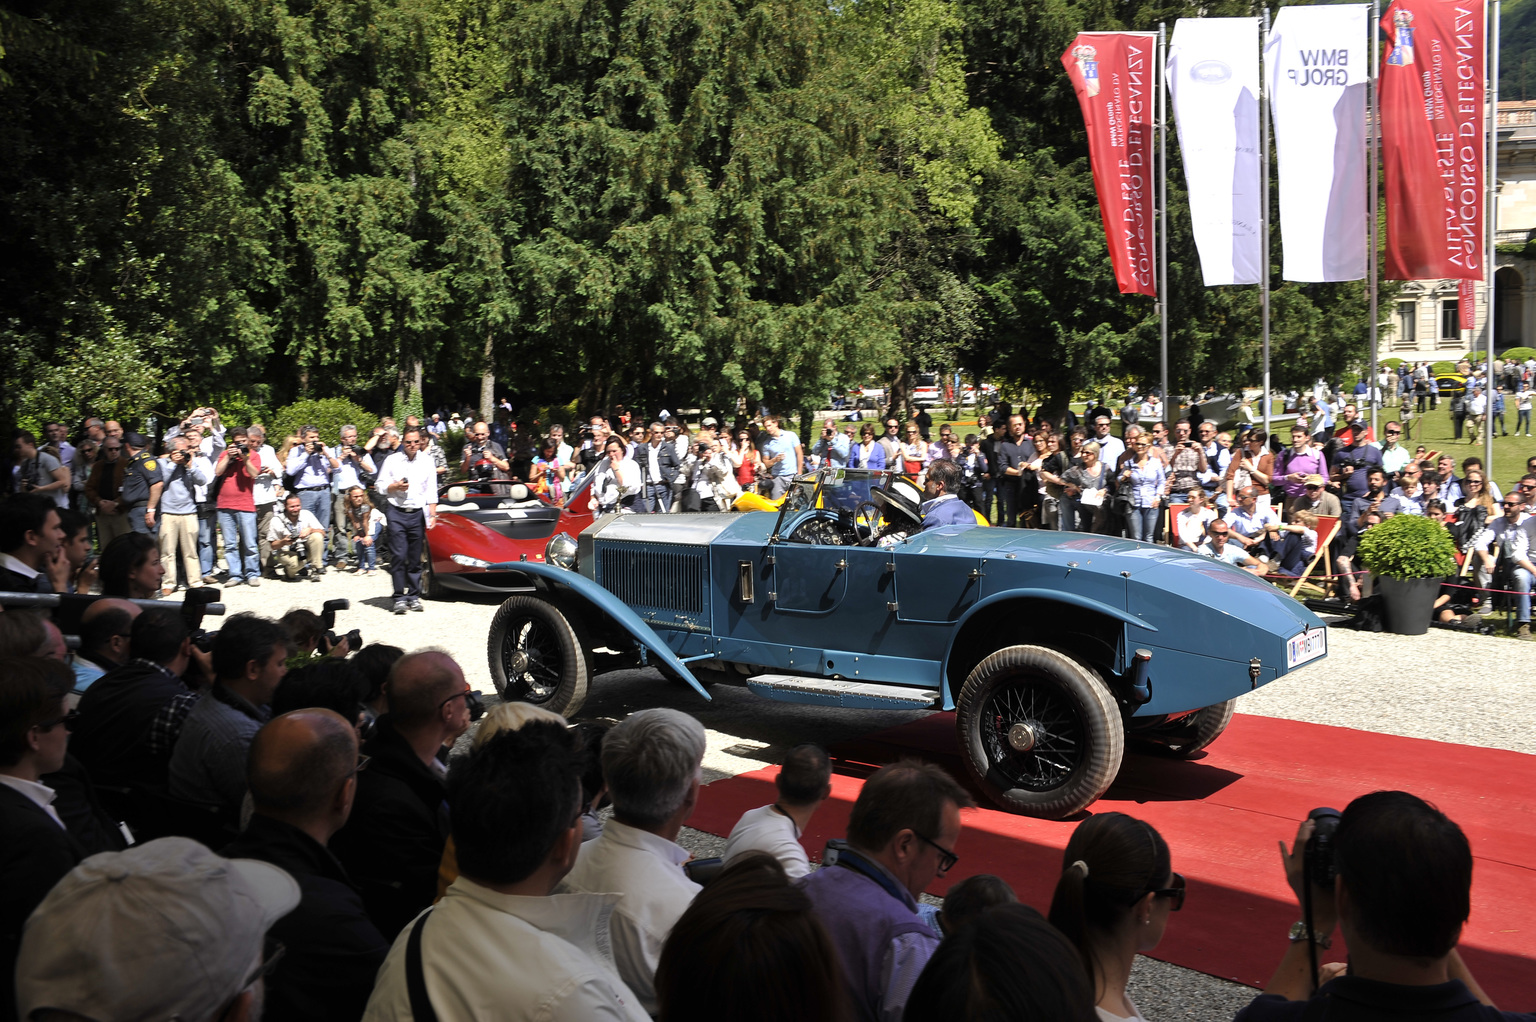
x=549 y=415
x=1408 y=546
x=407 y=407
x=1441 y=368
x=329 y=414
x=1475 y=357
x=1519 y=354
x=1391 y=363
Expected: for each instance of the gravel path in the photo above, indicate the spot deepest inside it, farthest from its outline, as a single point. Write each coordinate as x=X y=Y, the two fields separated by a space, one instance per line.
x=1446 y=686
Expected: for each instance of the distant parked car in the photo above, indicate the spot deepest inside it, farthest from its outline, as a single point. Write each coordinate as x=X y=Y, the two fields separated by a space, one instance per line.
x=1054 y=648
x=1450 y=384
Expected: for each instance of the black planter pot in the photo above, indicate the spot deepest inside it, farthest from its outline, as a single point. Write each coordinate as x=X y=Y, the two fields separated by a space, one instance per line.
x=1408 y=604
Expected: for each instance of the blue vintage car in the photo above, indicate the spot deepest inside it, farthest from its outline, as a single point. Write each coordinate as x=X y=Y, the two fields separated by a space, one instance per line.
x=1053 y=647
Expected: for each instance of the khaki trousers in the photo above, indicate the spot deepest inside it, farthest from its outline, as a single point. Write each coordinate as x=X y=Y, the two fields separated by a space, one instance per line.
x=288 y=556
x=180 y=530
x=109 y=527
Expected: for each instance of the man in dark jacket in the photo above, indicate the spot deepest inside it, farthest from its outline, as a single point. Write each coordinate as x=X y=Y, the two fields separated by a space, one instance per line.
x=130 y=716
x=30 y=535
x=303 y=772
x=393 y=843
x=35 y=848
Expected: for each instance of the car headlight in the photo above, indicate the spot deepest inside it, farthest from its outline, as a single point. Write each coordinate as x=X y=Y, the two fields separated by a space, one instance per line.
x=561 y=551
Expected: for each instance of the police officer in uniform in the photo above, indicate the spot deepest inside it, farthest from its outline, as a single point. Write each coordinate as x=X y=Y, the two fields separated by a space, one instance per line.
x=142 y=484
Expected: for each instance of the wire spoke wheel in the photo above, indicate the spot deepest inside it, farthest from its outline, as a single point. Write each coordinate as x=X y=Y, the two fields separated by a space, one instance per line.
x=1039 y=731
x=537 y=656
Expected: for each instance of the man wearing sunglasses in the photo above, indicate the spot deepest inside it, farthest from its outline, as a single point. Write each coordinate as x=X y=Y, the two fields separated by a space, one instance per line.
x=35 y=849
x=1503 y=551
x=901 y=838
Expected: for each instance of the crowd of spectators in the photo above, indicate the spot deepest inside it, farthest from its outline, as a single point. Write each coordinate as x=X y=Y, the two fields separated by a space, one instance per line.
x=356 y=870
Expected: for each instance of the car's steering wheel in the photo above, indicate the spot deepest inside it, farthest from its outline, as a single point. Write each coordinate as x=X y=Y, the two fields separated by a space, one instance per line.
x=866 y=534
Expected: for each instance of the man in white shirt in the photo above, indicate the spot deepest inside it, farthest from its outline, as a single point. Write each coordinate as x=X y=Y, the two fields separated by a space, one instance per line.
x=652 y=762
x=266 y=493
x=1249 y=520
x=408 y=480
x=500 y=944
x=804 y=783
x=298 y=541
x=1477 y=409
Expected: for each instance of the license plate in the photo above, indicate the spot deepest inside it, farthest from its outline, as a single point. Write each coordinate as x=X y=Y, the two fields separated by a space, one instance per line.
x=1306 y=646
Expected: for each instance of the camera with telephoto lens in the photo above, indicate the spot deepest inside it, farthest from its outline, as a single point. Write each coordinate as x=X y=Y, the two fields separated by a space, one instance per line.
x=1317 y=859
x=328 y=619
x=702 y=450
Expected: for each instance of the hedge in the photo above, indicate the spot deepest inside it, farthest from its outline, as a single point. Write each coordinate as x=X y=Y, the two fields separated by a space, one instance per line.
x=1442 y=368
x=329 y=414
x=1392 y=363
x=1519 y=354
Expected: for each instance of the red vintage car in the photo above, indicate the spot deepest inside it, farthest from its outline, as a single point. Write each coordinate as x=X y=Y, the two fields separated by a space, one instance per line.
x=515 y=524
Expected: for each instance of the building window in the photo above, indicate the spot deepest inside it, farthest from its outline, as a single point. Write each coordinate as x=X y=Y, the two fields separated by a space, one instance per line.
x=1450 y=319
x=1407 y=324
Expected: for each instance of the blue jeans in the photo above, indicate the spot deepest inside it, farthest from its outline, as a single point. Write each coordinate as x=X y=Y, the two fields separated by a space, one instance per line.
x=658 y=497
x=366 y=555
x=317 y=503
x=205 y=541
x=239 y=531
x=1523 y=420
x=1142 y=522
x=1520 y=583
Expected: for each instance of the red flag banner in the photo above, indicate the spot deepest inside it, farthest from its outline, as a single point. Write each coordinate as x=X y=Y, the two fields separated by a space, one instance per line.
x=1432 y=139
x=1114 y=76
x=1466 y=306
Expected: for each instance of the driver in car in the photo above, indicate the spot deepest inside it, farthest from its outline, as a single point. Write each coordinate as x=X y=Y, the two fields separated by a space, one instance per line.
x=943 y=505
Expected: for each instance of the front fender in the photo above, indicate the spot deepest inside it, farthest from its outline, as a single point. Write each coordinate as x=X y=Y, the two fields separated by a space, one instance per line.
x=606 y=602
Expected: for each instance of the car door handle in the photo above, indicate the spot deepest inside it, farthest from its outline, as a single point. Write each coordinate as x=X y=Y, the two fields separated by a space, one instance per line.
x=746 y=588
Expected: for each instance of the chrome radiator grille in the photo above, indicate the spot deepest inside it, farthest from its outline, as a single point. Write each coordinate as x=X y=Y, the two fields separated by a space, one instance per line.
x=649 y=577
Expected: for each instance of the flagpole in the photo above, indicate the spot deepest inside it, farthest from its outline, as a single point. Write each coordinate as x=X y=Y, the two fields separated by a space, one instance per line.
x=1372 y=144
x=1490 y=232
x=1264 y=212
x=1162 y=216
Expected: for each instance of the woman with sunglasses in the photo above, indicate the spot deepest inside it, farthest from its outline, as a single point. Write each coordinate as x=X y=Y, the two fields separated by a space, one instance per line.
x=1112 y=901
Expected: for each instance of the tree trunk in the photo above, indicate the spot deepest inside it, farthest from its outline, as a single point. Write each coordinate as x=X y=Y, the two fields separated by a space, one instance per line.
x=488 y=378
x=898 y=401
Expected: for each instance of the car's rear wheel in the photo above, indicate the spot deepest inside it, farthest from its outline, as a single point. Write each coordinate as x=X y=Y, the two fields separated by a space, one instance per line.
x=1193 y=733
x=1039 y=732
x=538 y=656
x=431 y=587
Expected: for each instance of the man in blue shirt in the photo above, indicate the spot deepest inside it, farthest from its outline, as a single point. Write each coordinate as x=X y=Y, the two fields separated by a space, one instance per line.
x=309 y=470
x=782 y=455
x=833 y=446
x=943 y=505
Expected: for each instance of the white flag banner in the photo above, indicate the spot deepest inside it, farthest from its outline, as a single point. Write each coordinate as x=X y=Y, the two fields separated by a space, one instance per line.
x=1213 y=72
x=1317 y=70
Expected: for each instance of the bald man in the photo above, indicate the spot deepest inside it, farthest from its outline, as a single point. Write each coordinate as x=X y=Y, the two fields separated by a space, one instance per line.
x=394 y=841
x=105 y=628
x=302 y=772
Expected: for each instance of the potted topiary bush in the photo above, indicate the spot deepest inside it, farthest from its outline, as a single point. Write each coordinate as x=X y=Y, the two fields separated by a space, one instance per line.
x=1410 y=556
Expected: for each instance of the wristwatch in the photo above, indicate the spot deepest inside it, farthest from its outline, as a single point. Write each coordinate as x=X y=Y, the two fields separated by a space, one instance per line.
x=1299 y=934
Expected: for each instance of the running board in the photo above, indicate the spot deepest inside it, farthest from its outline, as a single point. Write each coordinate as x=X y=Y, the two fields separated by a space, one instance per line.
x=859 y=695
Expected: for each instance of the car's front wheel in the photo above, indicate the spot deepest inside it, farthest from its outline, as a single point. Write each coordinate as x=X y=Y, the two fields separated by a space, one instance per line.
x=1039 y=731
x=537 y=656
x=1193 y=733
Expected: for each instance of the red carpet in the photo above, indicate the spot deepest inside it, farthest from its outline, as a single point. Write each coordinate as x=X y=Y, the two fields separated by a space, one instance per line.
x=1222 y=816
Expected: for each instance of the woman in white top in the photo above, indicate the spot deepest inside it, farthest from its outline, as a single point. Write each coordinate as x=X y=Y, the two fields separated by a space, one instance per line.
x=616 y=483
x=1112 y=901
x=1189 y=524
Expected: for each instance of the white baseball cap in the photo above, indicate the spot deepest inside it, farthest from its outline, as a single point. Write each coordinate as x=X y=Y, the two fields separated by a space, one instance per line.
x=164 y=930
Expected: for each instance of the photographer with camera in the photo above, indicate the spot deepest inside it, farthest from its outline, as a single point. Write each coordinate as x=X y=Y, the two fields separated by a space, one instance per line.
x=354 y=469
x=293 y=533
x=39 y=471
x=408 y=481
x=308 y=472
x=832 y=448
x=705 y=468
x=593 y=440
x=1394 y=875
x=237 y=469
x=183 y=472
x=484 y=459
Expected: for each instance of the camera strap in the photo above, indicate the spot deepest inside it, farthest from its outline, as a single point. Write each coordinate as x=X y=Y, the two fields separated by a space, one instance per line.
x=415 y=975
